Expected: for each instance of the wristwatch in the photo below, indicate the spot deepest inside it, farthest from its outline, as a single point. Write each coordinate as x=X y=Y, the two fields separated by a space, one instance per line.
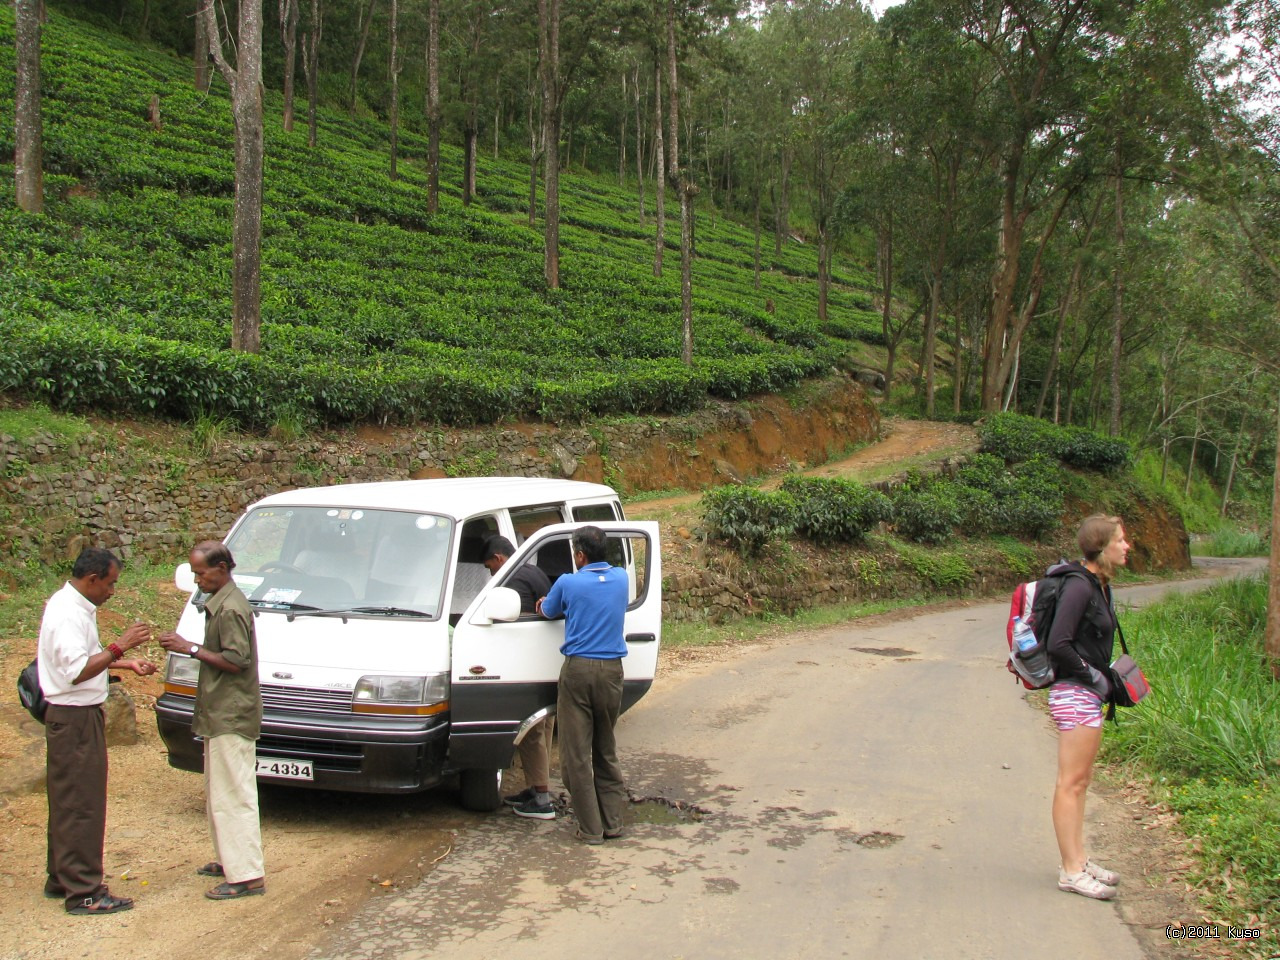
x=195 y=648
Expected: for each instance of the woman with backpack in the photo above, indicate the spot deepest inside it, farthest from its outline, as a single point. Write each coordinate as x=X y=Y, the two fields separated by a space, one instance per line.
x=1080 y=645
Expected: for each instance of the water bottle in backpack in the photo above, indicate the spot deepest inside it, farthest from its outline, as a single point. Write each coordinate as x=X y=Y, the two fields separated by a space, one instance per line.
x=1030 y=657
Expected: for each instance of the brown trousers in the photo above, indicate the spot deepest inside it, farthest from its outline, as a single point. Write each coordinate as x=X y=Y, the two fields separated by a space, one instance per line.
x=590 y=699
x=76 y=765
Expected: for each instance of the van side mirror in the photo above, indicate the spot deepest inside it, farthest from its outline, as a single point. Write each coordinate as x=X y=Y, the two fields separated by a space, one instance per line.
x=502 y=604
x=184 y=579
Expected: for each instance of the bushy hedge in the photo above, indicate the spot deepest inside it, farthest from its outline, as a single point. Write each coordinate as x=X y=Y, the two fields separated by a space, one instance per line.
x=747 y=518
x=1016 y=438
x=833 y=510
x=985 y=497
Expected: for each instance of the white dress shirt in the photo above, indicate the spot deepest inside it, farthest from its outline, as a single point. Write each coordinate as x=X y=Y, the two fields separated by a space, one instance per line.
x=68 y=638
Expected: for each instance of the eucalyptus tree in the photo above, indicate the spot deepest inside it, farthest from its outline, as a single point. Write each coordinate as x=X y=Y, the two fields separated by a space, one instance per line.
x=1246 y=181
x=311 y=66
x=289 y=15
x=938 y=147
x=831 y=42
x=28 y=154
x=245 y=80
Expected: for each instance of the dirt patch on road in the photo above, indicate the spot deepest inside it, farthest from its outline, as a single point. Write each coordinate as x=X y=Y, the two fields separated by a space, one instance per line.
x=326 y=854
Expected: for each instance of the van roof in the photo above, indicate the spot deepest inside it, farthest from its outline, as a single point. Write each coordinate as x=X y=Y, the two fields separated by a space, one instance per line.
x=454 y=496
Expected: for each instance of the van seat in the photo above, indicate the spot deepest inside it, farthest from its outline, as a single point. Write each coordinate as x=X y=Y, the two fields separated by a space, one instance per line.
x=467 y=585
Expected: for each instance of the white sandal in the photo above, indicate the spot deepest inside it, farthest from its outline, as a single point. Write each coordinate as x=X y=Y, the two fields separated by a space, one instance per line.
x=1085 y=885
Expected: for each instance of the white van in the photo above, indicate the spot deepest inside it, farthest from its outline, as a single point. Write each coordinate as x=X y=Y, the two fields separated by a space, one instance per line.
x=389 y=659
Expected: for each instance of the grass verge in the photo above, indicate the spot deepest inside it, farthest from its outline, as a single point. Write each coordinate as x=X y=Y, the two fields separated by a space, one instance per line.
x=1208 y=739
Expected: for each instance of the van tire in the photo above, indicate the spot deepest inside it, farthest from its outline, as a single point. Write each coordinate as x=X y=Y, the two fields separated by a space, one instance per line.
x=481 y=790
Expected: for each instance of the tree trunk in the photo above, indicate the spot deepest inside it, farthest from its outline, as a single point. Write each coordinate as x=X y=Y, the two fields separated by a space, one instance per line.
x=28 y=154
x=311 y=68
x=660 y=175
x=782 y=213
x=245 y=81
x=393 y=68
x=1117 y=318
x=755 y=247
x=200 y=54
x=549 y=41
x=639 y=142
x=884 y=259
x=470 y=135
x=931 y=339
x=1273 y=598
x=365 y=23
x=289 y=37
x=534 y=156
x=433 y=106
x=683 y=180
x=1191 y=462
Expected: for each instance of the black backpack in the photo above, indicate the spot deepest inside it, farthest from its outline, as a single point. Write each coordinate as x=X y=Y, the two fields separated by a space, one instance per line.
x=29 y=691
x=1036 y=603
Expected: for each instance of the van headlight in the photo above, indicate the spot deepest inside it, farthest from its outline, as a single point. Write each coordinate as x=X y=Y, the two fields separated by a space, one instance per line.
x=181 y=675
x=403 y=696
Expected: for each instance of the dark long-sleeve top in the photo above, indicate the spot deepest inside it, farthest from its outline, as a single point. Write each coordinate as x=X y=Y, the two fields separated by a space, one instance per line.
x=1083 y=632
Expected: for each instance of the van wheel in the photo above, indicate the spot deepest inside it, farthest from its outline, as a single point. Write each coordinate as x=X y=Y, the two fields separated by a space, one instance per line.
x=481 y=789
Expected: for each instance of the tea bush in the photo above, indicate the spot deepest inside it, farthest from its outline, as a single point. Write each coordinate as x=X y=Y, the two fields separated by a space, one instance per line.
x=747 y=518
x=1016 y=438
x=832 y=510
x=926 y=509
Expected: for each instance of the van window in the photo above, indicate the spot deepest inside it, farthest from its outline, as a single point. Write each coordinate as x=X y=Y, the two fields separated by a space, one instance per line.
x=557 y=556
x=595 y=512
x=619 y=545
x=341 y=558
x=471 y=573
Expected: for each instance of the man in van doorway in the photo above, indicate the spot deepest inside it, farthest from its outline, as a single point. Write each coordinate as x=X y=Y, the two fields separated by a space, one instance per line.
x=593 y=602
x=228 y=715
x=534 y=801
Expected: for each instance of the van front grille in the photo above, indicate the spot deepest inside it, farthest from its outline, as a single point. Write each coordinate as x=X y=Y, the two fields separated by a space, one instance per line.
x=311 y=699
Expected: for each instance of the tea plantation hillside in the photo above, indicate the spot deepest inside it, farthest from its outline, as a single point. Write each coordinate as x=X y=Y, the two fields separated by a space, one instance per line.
x=118 y=296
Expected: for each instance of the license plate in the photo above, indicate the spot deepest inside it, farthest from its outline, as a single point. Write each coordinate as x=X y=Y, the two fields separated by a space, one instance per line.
x=285 y=769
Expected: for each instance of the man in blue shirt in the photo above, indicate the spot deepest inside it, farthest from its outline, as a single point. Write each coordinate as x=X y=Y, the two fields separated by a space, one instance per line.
x=593 y=602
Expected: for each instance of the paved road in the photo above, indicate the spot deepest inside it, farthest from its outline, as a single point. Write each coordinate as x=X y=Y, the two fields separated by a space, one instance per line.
x=873 y=790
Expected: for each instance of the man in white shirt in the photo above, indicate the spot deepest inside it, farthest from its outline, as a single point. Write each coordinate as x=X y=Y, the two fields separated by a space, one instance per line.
x=73 y=675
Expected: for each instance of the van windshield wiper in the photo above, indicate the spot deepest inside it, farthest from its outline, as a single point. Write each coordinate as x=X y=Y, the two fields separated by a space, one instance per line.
x=302 y=610
x=282 y=605
x=391 y=611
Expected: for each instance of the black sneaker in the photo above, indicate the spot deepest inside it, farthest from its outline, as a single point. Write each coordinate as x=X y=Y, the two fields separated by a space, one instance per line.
x=524 y=796
x=535 y=810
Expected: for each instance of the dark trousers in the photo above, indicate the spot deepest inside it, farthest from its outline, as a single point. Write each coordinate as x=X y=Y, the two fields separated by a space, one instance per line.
x=76 y=764
x=587 y=708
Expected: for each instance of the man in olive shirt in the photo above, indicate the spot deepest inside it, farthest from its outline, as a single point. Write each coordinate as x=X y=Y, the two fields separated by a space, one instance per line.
x=228 y=715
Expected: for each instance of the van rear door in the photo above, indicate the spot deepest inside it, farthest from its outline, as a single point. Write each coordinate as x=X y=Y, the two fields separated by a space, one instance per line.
x=505 y=671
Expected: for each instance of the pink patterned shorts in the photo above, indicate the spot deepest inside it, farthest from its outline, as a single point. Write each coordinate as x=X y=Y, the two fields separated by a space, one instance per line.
x=1072 y=705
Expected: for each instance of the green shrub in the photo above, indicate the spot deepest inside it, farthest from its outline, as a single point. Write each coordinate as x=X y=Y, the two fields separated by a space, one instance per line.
x=924 y=511
x=747 y=518
x=832 y=510
x=1091 y=451
x=1016 y=438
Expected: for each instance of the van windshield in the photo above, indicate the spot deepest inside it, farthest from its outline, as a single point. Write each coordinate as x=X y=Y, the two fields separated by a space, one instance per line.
x=343 y=559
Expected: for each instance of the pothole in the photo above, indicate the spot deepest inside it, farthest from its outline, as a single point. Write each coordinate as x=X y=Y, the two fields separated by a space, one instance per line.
x=886 y=651
x=660 y=810
x=877 y=839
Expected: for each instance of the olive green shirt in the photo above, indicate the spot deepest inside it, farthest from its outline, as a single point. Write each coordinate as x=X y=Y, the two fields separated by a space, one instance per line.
x=229 y=702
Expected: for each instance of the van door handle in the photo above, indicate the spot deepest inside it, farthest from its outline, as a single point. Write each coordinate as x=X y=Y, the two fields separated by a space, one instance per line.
x=641 y=637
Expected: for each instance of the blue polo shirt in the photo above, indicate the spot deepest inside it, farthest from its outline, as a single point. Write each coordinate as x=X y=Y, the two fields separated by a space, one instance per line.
x=593 y=602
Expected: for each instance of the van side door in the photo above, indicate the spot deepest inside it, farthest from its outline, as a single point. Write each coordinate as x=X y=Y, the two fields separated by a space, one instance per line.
x=506 y=665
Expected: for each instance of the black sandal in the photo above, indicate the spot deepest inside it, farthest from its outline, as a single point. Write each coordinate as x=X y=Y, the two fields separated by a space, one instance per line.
x=234 y=891
x=211 y=869
x=102 y=903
